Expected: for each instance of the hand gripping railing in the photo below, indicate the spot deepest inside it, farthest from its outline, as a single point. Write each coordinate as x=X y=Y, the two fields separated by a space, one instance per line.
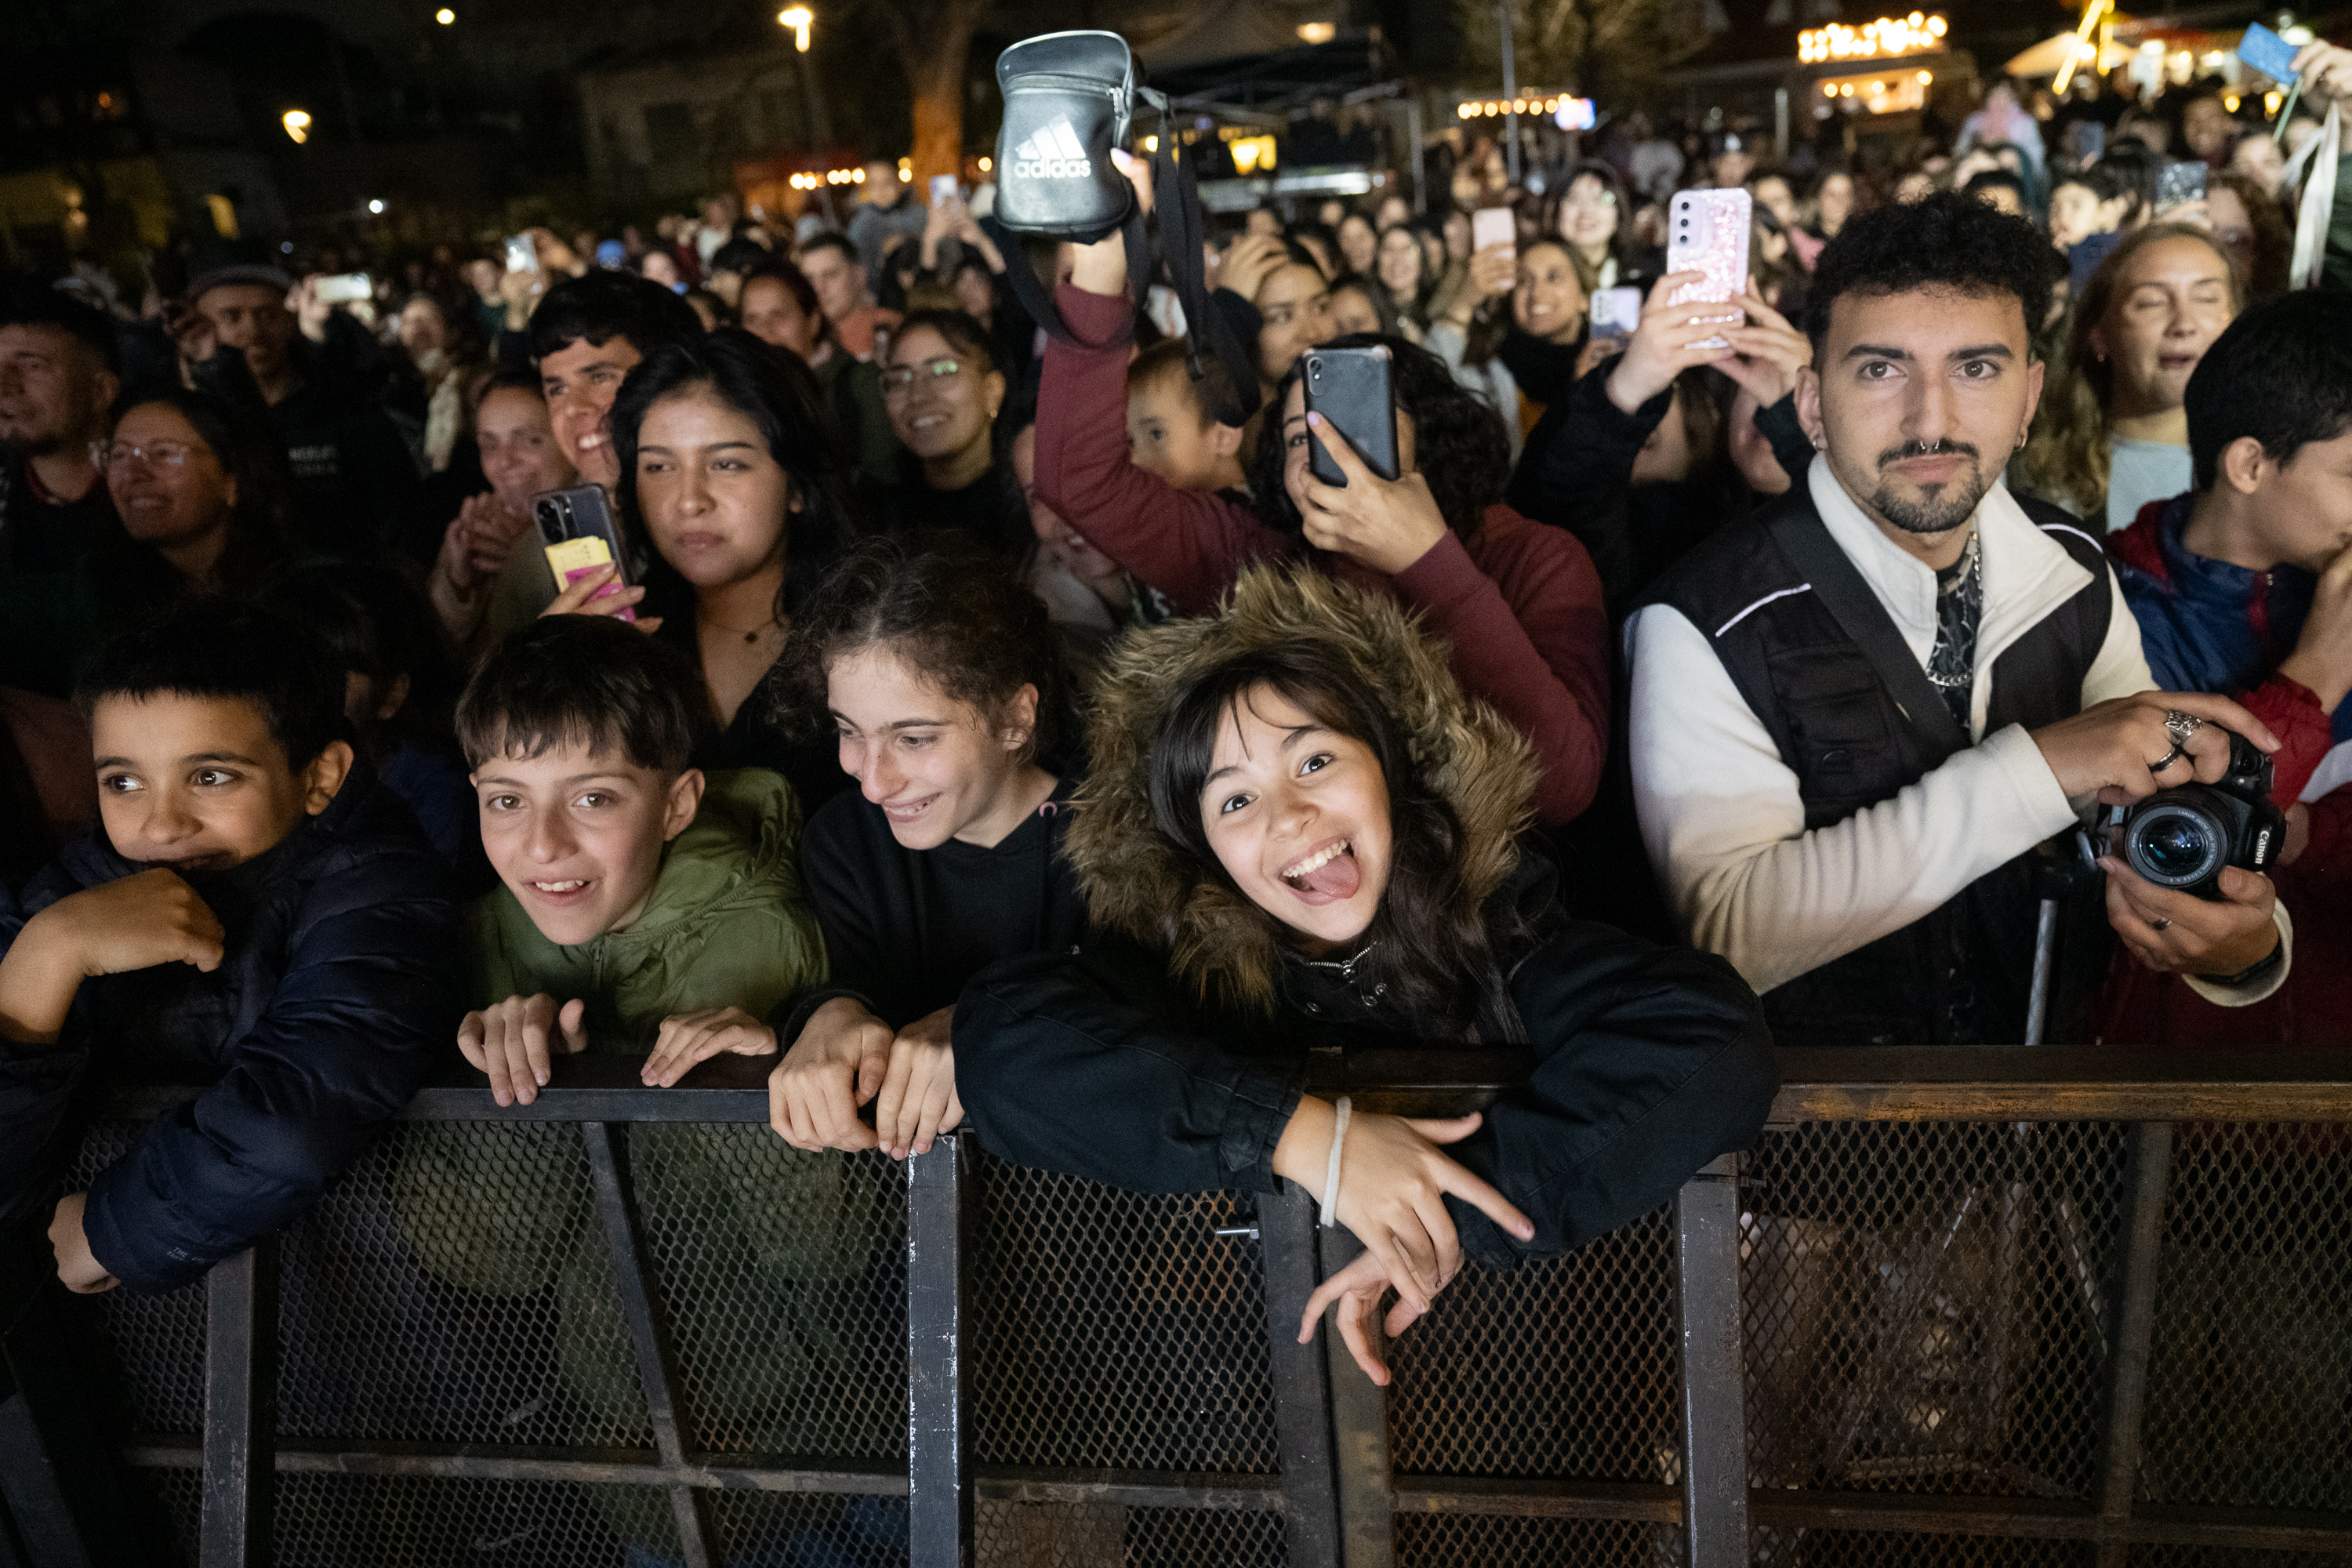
x=2022 y=1202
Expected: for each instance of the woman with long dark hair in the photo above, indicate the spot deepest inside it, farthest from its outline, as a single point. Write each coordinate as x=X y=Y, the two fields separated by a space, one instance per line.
x=777 y=305
x=1313 y=834
x=944 y=391
x=199 y=492
x=734 y=476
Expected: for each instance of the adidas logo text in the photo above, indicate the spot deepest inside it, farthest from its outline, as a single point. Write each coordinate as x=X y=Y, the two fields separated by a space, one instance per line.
x=1055 y=153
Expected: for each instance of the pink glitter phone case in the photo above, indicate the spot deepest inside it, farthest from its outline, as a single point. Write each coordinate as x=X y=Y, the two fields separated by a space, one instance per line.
x=1707 y=231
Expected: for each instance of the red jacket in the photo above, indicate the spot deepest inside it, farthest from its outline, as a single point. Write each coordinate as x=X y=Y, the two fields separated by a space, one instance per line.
x=1519 y=605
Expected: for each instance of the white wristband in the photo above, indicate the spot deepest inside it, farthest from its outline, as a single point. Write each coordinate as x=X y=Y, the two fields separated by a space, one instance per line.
x=1331 y=1171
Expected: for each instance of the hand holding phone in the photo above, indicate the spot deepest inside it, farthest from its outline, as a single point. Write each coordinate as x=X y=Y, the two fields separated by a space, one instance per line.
x=2179 y=185
x=581 y=538
x=1708 y=232
x=1381 y=523
x=1351 y=388
x=343 y=287
x=522 y=253
x=945 y=188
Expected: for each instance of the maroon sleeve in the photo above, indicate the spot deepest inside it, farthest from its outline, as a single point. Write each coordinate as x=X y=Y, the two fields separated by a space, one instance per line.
x=1530 y=633
x=2294 y=716
x=1189 y=544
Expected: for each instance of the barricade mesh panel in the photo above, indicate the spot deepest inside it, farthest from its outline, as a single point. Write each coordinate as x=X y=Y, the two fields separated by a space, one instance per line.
x=2230 y=1557
x=782 y=1278
x=475 y=1248
x=1114 y=1329
x=1113 y=1535
x=1928 y=1306
x=2250 y=1378
x=158 y=1341
x=1560 y=1370
x=755 y=1530
x=384 y=1522
x=175 y=1497
x=1808 y=1548
x=1472 y=1540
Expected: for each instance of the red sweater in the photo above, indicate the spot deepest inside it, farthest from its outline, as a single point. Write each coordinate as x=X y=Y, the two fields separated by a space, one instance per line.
x=1519 y=607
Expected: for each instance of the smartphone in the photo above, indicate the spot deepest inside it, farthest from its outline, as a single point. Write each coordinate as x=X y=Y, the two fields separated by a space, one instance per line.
x=343 y=287
x=579 y=534
x=1352 y=388
x=1615 y=313
x=2178 y=184
x=945 y=188
x=1708 y=231
x=2268 y=53
x=523 y=256
x=1494 y=225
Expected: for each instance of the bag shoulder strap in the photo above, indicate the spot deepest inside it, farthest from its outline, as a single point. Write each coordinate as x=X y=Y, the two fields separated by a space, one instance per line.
x=1805 y=540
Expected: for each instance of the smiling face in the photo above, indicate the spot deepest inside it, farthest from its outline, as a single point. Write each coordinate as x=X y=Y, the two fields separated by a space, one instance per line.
x=1587 y=213
x=1398 y=259
x=2171 y=302
x=714 y=498
x=576 y=834
x=1295 y=306
x=1548 y=301
x=173 y=493
x=199 y=783
x=939 y=767
x=939 y=412
x=1919 y=398
x=1358 y=242
x=580 y=380
x=520 y=457
x=1298 y=817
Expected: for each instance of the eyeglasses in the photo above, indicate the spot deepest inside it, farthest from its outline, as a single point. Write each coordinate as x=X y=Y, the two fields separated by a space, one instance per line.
x=899 y=377
x=155 y=454
x=1601 y=199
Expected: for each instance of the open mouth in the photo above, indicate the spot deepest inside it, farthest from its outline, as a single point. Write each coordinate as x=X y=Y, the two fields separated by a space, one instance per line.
x=908 y=811
x=559 y=891
x=1325 y=874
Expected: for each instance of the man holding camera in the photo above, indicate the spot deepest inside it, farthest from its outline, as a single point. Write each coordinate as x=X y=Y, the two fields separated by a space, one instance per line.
x=1856 y=714
x=2253 y=564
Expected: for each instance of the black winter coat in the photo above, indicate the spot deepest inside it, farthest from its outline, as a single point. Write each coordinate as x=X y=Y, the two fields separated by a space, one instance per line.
x=1651 y=1061
x=326 y=1016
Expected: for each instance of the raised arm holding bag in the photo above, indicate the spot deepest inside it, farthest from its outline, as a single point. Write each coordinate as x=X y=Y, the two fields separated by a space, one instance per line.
x=1069 y=99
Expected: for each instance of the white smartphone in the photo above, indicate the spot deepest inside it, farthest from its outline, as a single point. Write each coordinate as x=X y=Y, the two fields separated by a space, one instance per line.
x=1494 y=225
x=1615 y=313
x=523 y=254
x=343 y=288
x=1708 y=232
x=944 y=188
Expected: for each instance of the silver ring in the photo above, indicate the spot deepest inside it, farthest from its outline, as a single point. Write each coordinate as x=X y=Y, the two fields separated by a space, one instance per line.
x=2170 y=757
x=2160 y=924
x=2181 y=725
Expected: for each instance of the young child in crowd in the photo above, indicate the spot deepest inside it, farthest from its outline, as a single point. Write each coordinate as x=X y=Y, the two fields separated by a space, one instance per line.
x=941 y=676
x=1169 y=430
x=260 y=914
x=1294 y=805
x=644 y=903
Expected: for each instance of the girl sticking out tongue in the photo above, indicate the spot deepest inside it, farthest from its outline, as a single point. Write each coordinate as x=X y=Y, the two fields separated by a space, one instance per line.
x=1311 y=839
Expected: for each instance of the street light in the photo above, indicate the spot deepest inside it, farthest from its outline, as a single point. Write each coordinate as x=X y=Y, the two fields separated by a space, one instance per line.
x=444 y=15
x=798 y=19
x=298 y=125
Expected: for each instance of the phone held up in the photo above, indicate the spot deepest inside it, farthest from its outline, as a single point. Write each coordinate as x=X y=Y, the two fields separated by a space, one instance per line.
x=945 y=188
x=1615 y=313
x=343 y=289
x=1494 y=225
x=1708 y=232
x=522 y=253
x=2178 y=184
x=579 y=535
x=1353 y=389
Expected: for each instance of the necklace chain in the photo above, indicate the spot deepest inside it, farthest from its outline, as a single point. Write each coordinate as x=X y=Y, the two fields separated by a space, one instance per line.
x=750 y=636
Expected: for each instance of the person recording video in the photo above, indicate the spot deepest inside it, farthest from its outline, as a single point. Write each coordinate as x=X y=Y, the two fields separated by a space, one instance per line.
x=1856 y=713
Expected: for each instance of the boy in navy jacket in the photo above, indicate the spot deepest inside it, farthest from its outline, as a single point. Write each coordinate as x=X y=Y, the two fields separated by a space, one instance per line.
x=257 y=914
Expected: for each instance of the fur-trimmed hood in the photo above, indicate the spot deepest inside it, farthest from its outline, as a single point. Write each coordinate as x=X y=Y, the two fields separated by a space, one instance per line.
x=1137 y=881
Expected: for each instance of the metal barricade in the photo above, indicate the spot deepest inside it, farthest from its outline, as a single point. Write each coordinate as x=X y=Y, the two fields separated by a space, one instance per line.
x=1961 y=1306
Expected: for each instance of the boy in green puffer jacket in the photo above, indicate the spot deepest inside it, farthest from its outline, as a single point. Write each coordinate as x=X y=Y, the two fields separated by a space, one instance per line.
x=643 y=903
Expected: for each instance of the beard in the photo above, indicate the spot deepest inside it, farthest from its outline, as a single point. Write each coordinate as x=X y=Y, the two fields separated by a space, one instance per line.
x=1939 y=508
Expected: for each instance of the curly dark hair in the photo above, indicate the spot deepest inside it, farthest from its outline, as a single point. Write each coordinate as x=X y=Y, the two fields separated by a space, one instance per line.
x=1459 y=444
x=1429 y=943
x=950 y=609
x=1948 y=240
x=779 y=394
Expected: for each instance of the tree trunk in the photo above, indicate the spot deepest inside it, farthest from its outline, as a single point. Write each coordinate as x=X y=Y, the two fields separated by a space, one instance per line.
x=934 y=43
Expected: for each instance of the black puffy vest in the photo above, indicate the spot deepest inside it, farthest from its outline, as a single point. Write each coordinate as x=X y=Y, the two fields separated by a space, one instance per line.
x=1961 y=974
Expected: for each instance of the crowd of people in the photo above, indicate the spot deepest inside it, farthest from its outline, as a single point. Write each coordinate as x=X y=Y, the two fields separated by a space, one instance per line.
x=982 y=724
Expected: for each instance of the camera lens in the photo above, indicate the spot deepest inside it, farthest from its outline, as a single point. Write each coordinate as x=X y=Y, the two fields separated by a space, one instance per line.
x=2175 y=846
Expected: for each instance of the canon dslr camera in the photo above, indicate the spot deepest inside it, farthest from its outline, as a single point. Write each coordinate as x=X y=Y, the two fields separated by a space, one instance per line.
x=2181 y=838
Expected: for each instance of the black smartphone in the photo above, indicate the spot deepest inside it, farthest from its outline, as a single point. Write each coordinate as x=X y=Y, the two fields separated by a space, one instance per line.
x=1352 y=388
x=2178 y=184
x=577 y=529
